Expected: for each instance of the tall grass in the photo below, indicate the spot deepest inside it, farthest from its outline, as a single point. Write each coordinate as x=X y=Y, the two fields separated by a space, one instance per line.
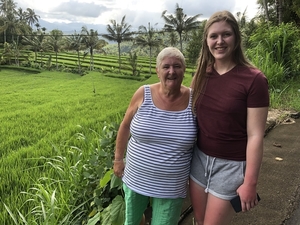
x=38 y=110
x=287 y=96
x=274 y=70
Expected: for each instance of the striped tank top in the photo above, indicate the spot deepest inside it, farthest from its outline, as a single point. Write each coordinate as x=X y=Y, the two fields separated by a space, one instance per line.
x=159 y=151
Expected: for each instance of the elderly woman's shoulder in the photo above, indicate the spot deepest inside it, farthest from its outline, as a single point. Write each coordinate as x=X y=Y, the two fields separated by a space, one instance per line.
x=185 y=89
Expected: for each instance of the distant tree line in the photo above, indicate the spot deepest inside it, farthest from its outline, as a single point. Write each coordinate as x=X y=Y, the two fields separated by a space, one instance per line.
x=20 y=29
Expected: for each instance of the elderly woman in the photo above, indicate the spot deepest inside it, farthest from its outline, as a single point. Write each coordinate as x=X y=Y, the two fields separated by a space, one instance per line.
x=157 y=134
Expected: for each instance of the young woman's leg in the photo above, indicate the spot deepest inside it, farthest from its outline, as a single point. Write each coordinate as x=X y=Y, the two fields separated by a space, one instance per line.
x=208 y=209
x=218 y=211
x=198 y=199
x=197 y=185
x=213 y=183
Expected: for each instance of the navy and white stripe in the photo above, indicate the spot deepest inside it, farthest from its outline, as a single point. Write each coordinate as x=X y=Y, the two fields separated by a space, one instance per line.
x=160 y=149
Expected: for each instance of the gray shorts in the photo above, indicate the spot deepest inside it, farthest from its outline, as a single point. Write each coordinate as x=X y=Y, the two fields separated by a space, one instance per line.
x=219 y=177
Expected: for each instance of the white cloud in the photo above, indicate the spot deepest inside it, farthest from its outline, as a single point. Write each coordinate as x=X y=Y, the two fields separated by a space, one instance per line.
x=138 y=12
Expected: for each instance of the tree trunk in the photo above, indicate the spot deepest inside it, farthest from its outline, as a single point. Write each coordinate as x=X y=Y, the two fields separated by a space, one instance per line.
x=91 y=58
x=119 y=52
x=266 y=10
x=180 y=39
x=279 y=10
x=150 y=60
x=79 y=64
x=4 y=36
x=56 y=60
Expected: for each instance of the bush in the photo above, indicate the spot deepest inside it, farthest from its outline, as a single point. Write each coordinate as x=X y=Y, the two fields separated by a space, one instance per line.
x=274 y=71
x=280 y=44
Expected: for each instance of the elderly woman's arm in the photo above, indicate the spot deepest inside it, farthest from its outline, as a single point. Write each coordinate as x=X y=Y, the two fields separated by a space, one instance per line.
x=124 y=131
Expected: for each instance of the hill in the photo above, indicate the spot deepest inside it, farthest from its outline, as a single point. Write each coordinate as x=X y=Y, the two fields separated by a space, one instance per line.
x=70 y=28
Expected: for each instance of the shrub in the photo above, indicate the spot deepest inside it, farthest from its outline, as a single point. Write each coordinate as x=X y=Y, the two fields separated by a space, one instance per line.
x=274 y=71
x=281 y=44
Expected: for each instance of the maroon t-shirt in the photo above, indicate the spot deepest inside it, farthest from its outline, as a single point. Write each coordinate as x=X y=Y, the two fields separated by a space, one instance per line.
x=222 y=110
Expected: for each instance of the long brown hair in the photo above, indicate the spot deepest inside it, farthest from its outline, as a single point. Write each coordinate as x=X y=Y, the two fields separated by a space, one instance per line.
x=206 y=58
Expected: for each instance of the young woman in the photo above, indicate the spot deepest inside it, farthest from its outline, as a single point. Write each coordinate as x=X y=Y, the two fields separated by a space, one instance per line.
x=231 y=103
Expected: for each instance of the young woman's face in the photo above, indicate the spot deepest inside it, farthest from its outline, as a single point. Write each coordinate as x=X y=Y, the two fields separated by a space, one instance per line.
x=221 y=41
x=171 y=72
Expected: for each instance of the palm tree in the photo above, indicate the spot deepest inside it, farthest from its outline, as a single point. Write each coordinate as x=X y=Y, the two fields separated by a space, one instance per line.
x=180 y=22
x=13 y=26
x=148 y=38
x=44 y=30
x=118 y=32
x=55 y=43
x=90 y=39
x=74 y=42
x=7 y=7
x=38 y=26
x=21 y=14
x=31 y=17
x=173 y=38
x=36 y=42
x=3 y=28
x=7 y=11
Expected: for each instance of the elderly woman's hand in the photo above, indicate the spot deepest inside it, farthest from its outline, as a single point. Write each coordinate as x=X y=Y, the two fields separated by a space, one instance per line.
x=119 y=168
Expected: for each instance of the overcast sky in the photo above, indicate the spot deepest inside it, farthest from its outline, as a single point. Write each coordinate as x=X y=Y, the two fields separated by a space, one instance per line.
x=138 y=12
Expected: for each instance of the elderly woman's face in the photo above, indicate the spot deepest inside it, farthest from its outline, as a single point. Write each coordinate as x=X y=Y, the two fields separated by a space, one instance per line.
x=171 y=72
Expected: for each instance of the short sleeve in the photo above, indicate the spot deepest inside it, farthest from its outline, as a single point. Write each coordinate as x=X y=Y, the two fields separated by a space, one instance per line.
x=259 y=92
